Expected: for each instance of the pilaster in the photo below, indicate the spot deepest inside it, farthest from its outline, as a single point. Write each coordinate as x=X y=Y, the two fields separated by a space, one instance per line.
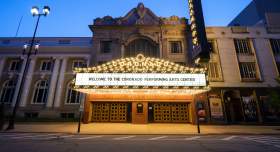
x=53 y=82
x=57 y=100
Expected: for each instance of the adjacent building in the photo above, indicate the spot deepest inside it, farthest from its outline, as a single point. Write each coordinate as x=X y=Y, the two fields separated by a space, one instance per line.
x=241 y=72
x=259 y=13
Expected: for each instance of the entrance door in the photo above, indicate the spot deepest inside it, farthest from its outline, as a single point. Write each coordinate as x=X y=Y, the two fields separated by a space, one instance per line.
x=169 y=112
x=237 y=115
x=111 y=112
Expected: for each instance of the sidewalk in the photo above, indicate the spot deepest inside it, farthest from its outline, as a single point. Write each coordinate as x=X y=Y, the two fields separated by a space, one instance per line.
x=126 y=128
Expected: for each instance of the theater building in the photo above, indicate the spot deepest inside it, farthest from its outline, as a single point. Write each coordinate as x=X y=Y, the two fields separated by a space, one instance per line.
x=138 y=69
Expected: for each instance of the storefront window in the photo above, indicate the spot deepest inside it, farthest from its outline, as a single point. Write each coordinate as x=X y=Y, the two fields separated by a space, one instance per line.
x=250 y=108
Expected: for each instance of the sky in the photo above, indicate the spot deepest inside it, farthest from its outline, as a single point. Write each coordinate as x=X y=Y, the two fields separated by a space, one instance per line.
x=70 y=18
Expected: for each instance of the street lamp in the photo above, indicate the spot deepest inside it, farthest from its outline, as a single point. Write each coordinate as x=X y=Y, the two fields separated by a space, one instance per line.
x=34 y=12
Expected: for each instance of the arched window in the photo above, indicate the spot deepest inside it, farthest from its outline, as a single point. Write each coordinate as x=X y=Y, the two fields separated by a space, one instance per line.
x=143 y=46
x=8 y=91
x=41 y=92
x=72 y=96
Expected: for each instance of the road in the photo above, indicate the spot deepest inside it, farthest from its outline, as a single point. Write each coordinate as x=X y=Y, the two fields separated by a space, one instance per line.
x=48 y=142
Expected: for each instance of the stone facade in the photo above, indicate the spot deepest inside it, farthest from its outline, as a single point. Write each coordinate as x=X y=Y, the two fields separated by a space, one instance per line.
x=233 y=83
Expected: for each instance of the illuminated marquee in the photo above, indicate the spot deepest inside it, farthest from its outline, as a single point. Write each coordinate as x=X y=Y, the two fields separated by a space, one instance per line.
x=140 y=72
x=140 y=79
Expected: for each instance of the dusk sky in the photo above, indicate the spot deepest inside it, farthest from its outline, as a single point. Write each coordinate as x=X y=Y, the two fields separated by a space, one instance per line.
x=70 y=18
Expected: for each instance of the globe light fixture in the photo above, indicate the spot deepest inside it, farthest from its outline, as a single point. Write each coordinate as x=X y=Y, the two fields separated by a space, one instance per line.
x=35 y=10
x=46 y=10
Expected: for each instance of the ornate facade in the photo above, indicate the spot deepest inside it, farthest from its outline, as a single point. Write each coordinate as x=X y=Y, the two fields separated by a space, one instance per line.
x=242 y=70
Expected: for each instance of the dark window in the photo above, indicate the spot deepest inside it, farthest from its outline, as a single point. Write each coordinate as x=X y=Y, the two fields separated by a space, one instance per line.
x=79 y=64
x=213 y=71
x=73 y=96
x=242 y=46
x=278 y=66
x=31 y=115
x=141 y=46
x=248 y=70
x=41 y=92
x=8 y=91
x=15 y=65
x=211 y=45
x=106 y=46
x=67 y=115
x=176 y=47
x=46 y=65
x=275 y=45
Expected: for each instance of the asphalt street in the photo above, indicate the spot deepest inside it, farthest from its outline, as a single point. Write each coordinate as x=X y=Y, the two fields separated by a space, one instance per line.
x=55 y=142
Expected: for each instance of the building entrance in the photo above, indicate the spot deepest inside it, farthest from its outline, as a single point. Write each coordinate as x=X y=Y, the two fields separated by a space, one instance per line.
x=169 y=112
x=111 y=112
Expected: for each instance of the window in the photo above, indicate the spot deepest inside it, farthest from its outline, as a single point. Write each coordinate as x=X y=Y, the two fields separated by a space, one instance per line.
x=67 y=115
x=8 y=91
x=275 y=45
x=106 y=46
x=41 y=92
x=211 y=45
x=213 y=71
x=278 y=67
x=242 y=46
x=15 y=65
x=175 y=47
x=73 y=97
x=248 y=70
x=78 y=64
x=31 y=115
x=46 y=65
x=142 y=46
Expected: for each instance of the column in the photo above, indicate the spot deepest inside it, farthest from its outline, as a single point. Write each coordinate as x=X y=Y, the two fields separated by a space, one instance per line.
x=2 y=65
x=52 y=88
x=59 y=91
x=27 y=83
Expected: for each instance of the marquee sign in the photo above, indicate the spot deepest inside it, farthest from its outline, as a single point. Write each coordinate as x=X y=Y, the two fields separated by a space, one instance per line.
x=199 y=38
x=140 y=72
x=141 y=79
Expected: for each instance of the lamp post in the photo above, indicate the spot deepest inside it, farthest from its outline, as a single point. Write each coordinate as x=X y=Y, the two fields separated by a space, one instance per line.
x=34 y=12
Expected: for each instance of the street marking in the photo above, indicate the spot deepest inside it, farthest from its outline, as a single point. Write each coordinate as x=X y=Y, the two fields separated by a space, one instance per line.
x=229 y=138
x=266 y=140
x=66 y=136
x=33 y=136
x=90 y=137
x=193 y=138
x=157 y=138
x=122 y=138
x=14 y=135
x=262 y=137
